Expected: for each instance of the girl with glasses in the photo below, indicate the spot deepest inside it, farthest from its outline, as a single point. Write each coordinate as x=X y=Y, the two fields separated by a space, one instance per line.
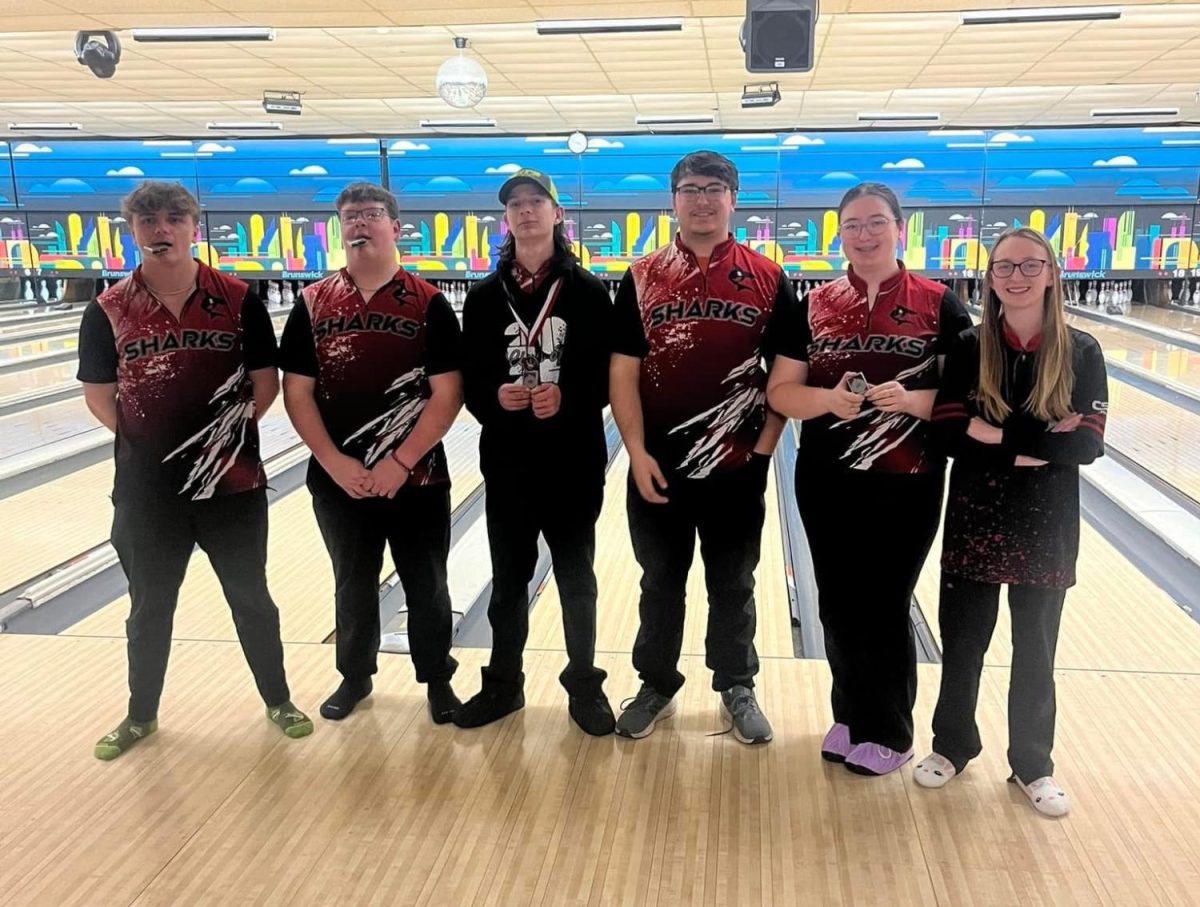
x=1021 y=406
x=868 y=486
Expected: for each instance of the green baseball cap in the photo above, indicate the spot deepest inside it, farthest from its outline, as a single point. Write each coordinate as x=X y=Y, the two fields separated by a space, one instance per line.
x=528 y=175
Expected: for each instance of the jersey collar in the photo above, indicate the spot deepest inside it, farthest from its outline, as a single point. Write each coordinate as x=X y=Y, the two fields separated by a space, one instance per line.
x=720 y=250
x=1011 y=338
x=886 y=287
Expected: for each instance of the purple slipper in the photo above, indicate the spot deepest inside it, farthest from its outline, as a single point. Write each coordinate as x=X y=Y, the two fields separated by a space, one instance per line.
x=873 y=759
x=836 y=746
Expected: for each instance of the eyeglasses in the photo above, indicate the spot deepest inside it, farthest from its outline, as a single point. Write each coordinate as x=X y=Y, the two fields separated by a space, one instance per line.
x=874 y=226
x=1030 y=267
x=712 y=190
x=366 y=214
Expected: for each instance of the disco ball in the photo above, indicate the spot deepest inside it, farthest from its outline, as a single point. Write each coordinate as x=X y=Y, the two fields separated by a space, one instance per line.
x=461 y=82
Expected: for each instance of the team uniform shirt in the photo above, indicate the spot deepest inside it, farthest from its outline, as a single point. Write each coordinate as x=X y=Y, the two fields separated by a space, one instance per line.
x=702 y=331
x=372 y=361
x=185 y=404
x=1008 y=523
x=912 y=322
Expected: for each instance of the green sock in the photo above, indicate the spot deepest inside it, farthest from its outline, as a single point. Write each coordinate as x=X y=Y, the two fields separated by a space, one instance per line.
x=290 y=719
x=128 y=733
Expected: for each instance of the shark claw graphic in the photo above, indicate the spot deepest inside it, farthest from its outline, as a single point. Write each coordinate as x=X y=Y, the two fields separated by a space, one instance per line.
x=407 y=397
x=721 y=422
x=215 y=447
x=883 y=432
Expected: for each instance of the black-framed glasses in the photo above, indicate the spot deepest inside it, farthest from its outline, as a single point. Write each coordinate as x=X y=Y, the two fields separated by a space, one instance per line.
x=366 y=214
x=712 y=190
x=1030 y=267
x=873 y=227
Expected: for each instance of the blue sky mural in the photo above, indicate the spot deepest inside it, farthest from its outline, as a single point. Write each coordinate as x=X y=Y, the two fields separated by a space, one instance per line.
x=1120 y=197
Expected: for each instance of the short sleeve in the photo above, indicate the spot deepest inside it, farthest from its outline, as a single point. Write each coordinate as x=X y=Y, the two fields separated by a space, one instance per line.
x=298 y=351
x=443 y=338
x=97 y=347
x=786 y=330
x=628 y=332
x=953 y=319
x=259 y=348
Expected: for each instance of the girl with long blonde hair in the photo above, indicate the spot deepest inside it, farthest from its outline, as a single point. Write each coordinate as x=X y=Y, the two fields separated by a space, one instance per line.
x=1021 y=406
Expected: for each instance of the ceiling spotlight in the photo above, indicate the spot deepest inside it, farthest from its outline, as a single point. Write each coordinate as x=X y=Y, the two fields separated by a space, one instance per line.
x=766 y=95
x=461 y=82
x=282 y=102
x=99 y=51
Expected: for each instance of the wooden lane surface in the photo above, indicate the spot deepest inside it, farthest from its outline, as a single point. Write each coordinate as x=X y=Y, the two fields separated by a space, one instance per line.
x=45 y=525
x=384 y=808
x=1153 y=355
x=1174 y=319
x=1161 y=437
x=1115 y=619
x=618 y=576
x=298 y=570
x=50 y=523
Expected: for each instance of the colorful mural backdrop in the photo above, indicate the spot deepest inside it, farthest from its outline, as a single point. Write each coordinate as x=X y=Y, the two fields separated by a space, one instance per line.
x=1114 y=202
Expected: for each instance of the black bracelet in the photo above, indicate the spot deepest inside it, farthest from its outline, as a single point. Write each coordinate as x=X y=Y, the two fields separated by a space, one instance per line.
x=407 y=468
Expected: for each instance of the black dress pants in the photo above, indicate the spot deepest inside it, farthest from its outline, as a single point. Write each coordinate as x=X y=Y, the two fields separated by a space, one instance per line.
x=726 y=511
x=415 y=525
x=154 y=536
x=566 y=518
x=869 y=535
x=967 y=613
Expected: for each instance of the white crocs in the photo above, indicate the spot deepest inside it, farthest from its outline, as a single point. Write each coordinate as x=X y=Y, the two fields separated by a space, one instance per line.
x=934 y=771
x=1046 y=796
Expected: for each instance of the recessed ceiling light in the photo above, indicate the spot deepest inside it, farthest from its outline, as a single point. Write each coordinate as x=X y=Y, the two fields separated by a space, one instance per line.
x=607 y=26
x=203 y=34
x=457 y=124
x=686 y=120
x=45 y=127
x=1135 y=112
x=1039 y=14
x=885 y=117
x=257 y=126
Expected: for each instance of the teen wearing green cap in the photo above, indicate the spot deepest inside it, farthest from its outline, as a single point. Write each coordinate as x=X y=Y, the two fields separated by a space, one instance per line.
x=535 y=369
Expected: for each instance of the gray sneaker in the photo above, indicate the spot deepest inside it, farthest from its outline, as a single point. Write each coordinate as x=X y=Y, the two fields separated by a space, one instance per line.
x=643 y=711
x=750 y=725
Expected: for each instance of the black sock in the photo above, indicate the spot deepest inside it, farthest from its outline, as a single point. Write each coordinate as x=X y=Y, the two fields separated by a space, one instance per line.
x=348 y=694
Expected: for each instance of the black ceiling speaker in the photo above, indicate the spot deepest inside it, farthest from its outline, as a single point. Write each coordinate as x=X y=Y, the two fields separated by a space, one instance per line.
x=99 y=51
x=778 y=35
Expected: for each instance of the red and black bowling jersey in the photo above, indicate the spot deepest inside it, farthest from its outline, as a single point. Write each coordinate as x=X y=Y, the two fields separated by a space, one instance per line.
x=702 y=334
x=372 y=362
x=913 y=321
x=185 y=405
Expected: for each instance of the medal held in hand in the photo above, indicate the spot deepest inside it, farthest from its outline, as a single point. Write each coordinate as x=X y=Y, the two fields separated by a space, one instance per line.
x=531 y=360
x=857 y=383
x=531 y=371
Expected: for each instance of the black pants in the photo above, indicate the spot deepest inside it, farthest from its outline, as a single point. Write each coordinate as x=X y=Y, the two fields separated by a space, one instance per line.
x=869 y=535
x=567 y=519
x=967 y=613
x=154 y=537
x=727 y=512
x=415 y=524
